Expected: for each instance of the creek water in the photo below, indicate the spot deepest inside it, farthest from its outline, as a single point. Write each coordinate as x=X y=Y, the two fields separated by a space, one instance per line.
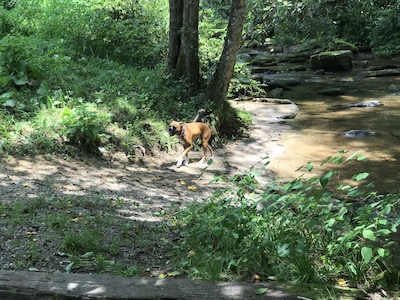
x=317 y=131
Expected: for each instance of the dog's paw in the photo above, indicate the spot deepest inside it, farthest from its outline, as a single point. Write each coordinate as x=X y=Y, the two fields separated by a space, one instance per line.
x=186 y=162
x=179 y=163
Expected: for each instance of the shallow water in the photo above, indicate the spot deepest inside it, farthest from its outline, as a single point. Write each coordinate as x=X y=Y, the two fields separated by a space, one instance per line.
x=317 y=132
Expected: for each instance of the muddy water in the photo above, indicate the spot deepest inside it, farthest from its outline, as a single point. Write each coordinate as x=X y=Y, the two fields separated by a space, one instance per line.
x=316 y=132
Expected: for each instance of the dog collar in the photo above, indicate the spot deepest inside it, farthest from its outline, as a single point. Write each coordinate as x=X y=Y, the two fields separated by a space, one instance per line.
x=182 y=131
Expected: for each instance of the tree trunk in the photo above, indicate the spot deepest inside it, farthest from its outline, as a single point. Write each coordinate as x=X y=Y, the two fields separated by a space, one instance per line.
x=184 y=40
x=217 y=89
x=175 y=24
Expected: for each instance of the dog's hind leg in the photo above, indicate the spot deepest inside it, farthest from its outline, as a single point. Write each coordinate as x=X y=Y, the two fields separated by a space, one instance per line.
x=205 y=147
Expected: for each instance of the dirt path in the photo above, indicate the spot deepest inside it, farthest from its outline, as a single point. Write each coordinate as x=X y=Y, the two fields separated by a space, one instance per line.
x=157 y=183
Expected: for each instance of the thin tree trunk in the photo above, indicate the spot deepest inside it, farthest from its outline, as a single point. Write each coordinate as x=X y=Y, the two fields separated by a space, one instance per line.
x=184 y=40
x=175 y=25
x=217 y=89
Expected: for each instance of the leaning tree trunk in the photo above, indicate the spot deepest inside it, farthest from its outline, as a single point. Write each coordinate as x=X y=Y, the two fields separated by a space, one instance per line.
x=175 y=24
x=217 y=89
x=184 y=40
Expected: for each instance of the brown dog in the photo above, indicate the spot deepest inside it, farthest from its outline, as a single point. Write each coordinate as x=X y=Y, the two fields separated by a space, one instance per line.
x=188 y=133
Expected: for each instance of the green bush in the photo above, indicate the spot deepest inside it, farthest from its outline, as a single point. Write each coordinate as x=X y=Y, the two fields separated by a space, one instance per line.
x=84 y=125
x=131 y=32
x=301 y=231
x=385 y=32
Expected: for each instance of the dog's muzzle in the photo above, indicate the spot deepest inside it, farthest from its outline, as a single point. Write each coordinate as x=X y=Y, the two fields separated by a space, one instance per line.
x=172 y=130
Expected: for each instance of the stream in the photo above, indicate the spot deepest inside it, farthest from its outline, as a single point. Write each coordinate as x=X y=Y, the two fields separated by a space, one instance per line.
x=317 y=131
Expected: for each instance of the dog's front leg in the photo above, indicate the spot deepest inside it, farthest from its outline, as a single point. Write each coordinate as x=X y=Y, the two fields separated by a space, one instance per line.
x=186 y=161
x=179 y=163
x=184 y=156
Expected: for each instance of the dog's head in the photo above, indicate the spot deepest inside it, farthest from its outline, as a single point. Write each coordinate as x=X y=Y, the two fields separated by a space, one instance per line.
x=174 y=128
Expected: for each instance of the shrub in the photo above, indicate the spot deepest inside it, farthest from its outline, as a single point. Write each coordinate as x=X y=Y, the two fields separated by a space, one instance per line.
x=385 y=32
x=131 y=32
x=299 y=231
x=84 y=125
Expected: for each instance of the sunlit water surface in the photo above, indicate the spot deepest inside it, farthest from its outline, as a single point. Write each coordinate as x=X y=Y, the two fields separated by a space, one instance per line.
x=317 y=131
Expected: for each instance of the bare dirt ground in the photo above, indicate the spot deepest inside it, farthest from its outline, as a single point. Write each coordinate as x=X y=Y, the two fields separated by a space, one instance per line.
x=156 y=182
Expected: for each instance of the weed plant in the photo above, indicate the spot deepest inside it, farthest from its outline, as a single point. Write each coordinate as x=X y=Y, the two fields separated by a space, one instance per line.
x=301 y=231
x=78 y=234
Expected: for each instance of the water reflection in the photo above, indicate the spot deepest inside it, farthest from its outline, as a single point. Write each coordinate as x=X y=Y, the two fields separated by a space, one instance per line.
x=317 y=131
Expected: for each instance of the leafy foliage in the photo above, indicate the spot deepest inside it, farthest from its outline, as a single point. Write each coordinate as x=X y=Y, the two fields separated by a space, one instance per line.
x=84 y=125
x=299 y=231
x=320 y=22
x=59 y=84
x=110 y=29
x=385 y=34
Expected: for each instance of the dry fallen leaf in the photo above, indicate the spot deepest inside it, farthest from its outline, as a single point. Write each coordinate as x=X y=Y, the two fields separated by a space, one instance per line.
x=76 y=219
x=342 y=283
x=192 y=188
x=255 y=278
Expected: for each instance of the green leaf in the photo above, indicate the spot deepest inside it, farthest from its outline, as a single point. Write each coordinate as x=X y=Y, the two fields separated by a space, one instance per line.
x=261 y=291
x=324 y=180
x=174 y=273
x=69 y=267
x=387 y=209
x=383 y=221
x=342 y=212
x=9 y=103
x=330 y=222
x=283 y=250
x=88 y=254
x=351 y=156
x=20 y=80
x=360 y=176
x=4 y=80
x=383 y=232
x=337 y=160
x=366 y=253
x=6 y=95
x=383 y=252
x=361 y=157
x=369 y=234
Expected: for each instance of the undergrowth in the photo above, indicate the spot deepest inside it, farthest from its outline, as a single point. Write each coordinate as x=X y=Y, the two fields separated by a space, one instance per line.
x=312 y=230
x=99 y=83
x=78 y=234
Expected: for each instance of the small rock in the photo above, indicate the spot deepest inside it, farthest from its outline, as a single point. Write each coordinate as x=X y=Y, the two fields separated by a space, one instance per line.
x=331 y=92
x=372 y=103
x=384 y=73
x=358 y=133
